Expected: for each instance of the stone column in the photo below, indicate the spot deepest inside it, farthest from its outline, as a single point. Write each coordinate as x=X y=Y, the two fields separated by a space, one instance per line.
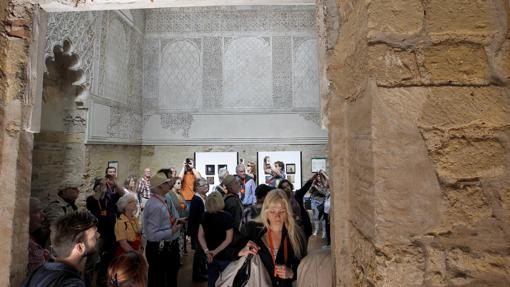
x=15 y=141
x=420 y=147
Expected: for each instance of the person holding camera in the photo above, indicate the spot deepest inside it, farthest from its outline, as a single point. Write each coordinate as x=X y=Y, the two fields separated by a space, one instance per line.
x=188 y=176
x=162 y=227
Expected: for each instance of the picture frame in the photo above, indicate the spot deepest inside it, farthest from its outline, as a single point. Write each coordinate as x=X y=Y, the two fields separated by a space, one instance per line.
x=115 y=164
x=220 y=166
x=210 y=169
x=209 y=163
x=319 y=163
x=290 y=168
x=267 y=159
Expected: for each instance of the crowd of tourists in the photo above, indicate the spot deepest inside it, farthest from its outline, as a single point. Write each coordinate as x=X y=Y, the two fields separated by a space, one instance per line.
x=135 y=234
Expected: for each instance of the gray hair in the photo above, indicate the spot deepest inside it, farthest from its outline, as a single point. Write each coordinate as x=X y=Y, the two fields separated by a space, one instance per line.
x=124 y=201
x=222 y=173
x=201 y=181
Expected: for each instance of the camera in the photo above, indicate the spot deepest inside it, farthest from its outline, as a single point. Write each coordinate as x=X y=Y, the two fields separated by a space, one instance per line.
x=188 y=161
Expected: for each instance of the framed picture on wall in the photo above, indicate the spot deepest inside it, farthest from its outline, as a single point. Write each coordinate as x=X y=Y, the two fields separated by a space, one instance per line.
x=209 y=163
x=209 y=169
x=318 y=163
x=287 y=163
x=290 y=168
x=221 y=166
x=115 y=164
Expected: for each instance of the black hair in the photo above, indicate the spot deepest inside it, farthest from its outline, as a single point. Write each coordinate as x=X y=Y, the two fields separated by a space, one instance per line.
x=262 y=190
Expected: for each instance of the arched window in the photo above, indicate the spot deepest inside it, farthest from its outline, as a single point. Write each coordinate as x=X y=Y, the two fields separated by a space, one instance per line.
x=180 y=77
x=247 y=75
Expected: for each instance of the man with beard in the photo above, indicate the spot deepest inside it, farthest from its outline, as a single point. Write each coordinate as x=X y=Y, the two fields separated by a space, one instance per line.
x=73 y=238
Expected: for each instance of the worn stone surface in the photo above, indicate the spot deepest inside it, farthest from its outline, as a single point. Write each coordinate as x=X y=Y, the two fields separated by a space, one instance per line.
x=462 y=19
x=395 y=17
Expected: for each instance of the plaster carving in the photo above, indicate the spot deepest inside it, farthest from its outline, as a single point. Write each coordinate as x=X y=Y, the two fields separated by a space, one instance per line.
x=177 y=121
x=231 y=19
x=74 y=122
x=77 y=32
x=125 y=123
x=312 y=117
x=282 y=71
x=246 y=59
x=180 y=75
x=306 y=73
x=212 y=82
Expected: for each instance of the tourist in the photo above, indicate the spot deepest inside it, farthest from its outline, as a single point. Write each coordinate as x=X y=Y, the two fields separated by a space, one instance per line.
x=247 y=190
x=276 y=238
x=73 y=238
x=233 y=204
x=143 y=188
x=128 y=270
x=130 y=184
x=215 y=233
x=196 y=211
x=37 y=255
x=127 y=227
x=188 y=175
x=176 y=198
x=161 y=229
x=253 y=211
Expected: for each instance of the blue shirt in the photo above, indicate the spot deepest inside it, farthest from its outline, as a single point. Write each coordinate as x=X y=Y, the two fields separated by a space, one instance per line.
x=156 y=223
x=249 y=192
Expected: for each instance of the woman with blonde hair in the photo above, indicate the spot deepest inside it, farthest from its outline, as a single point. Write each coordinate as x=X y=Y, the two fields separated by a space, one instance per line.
x=215 y=233
x=276 y=238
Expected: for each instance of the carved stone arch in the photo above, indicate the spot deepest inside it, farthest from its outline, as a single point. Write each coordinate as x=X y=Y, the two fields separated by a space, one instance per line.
x=65 y=68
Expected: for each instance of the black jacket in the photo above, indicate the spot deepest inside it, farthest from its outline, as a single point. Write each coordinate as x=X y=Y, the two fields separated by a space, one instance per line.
x=234 y=206
x=299 y=195
x=255 y=231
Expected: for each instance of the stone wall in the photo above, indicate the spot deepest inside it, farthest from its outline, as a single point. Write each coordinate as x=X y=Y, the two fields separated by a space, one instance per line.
x=15 y=141
x=421 y=170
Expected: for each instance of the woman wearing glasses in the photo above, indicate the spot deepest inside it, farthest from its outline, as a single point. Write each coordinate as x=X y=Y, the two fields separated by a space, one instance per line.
x=276 y=238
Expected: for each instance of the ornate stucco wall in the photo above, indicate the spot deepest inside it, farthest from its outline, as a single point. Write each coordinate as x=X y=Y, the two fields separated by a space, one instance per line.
x=251 y=69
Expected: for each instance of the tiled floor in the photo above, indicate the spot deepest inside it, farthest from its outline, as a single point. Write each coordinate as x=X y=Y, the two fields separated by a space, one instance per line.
x=316 y=242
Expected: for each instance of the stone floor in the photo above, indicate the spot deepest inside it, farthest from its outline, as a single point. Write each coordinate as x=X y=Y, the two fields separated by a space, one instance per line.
x=316 y=242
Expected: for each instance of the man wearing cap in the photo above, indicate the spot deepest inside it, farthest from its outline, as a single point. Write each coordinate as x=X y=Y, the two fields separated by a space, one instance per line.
x=63 y=203
x=161 y=230
x=233 y=204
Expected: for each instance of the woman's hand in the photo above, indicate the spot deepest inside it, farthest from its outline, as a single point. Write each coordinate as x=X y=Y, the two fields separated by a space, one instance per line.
x=250 y=248
x=283 y=272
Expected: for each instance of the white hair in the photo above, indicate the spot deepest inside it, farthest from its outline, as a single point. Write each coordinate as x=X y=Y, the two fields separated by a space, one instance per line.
x=124 y=201
x=222 y=173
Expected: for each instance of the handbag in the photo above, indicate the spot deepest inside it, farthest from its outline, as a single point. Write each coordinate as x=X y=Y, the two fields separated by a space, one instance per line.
x=247 y=271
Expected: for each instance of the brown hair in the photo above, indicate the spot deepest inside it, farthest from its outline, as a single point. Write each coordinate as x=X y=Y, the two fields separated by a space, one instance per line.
x=128 y=269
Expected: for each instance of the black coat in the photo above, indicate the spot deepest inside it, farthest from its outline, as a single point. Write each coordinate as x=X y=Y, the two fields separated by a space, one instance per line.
x=255 y=232
x=299 y=196
x=196 y=211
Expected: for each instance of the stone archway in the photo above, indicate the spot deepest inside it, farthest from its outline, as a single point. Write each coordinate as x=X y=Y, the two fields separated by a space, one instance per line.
x=419 y=146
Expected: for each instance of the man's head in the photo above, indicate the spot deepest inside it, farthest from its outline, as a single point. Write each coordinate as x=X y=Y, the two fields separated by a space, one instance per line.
x=36 y=214
x=74 y=235
x=201 y=186
x=231 y=183
x=147 y=173
x=69 y=193
x=241 y=171
x=160 y=184
x=261 y=191
x=111 y=171
x=279 y=164
x=287 y=186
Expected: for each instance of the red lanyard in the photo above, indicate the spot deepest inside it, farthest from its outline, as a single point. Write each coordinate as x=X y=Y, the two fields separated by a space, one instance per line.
x=170 y=216
x=271 y=249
